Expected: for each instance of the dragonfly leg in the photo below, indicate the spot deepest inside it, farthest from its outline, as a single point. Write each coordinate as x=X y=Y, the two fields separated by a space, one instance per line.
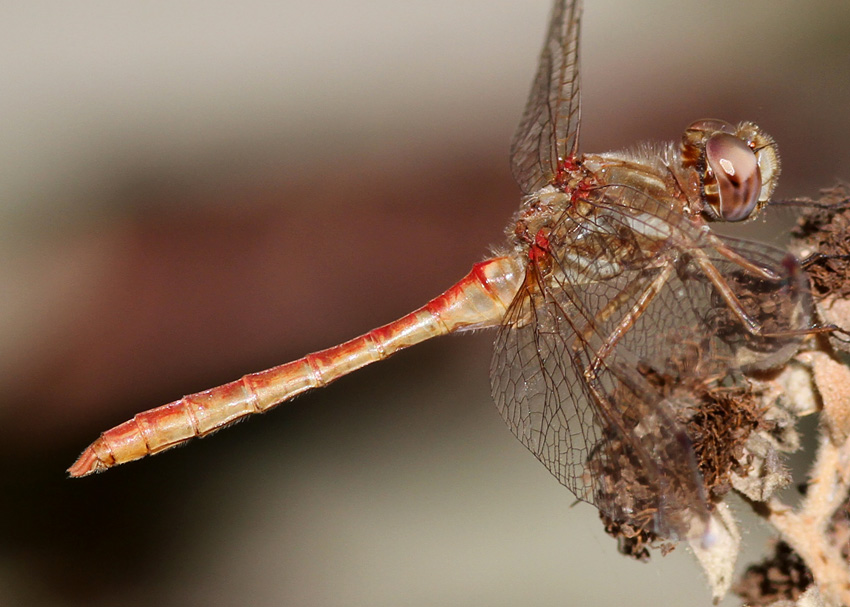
x=725 y=291
x=628 y=321
x=738 y=259
x=593 y=370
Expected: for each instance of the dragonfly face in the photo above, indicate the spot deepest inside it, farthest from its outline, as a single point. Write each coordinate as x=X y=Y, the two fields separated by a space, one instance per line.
x=736 y=167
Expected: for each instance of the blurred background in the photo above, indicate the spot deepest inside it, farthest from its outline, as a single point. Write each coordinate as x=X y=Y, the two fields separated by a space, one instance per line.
x=193 y=191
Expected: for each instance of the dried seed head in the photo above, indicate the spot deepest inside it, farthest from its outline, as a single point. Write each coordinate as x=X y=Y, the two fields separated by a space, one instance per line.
x=822 y=239
x=822 y=235
x=728 y=427
x=782 y=576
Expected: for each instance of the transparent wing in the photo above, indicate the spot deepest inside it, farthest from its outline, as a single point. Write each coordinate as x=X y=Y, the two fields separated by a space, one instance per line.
x=548 y=131
x=593 y=364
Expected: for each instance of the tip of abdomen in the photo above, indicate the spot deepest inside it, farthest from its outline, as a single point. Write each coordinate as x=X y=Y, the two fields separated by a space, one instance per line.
x=87 y=463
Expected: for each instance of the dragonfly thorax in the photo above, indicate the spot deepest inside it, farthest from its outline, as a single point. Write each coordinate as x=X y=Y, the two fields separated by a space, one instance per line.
x=538 y=215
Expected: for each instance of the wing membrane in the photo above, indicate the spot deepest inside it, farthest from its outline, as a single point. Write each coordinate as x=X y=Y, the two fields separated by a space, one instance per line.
x=593 y=364
x=548 y=130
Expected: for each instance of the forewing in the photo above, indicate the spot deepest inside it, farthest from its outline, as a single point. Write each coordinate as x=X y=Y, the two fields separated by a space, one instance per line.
x=598 y=424
x=548 y=130
x=595 y=366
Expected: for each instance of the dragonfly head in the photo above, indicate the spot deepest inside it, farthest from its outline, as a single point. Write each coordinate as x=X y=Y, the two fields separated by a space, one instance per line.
x=736 y=167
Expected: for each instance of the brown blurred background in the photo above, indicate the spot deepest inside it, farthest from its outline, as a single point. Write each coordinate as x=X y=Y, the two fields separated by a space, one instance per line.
x=193 y=191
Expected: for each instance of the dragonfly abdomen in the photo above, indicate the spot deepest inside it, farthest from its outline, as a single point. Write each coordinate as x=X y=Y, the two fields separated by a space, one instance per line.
x=480 y=299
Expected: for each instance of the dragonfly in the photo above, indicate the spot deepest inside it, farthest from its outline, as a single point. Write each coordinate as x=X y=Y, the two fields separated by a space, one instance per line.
x=611 y=277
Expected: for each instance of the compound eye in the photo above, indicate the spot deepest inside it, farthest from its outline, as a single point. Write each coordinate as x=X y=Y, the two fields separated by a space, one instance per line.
x=736 y=170
x=711 y=125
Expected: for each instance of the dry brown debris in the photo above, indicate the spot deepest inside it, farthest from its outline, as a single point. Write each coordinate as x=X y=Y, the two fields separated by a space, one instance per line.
x=822 y=235
x=719 y=419
x=635 y=542
x=719 y=428
x=782 y=576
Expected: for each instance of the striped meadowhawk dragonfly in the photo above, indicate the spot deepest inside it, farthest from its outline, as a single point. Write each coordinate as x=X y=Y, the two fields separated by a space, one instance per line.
x=611 y=278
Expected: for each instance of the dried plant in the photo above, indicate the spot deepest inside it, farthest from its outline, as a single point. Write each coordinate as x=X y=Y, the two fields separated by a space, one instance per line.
x=740 y=427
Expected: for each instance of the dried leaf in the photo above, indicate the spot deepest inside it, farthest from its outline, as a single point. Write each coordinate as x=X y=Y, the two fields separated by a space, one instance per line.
x=833 y=384
x=717 y=550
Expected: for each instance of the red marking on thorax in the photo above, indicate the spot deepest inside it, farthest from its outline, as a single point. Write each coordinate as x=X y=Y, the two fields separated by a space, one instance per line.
x=581 y=189
x=540 y=248
x=568 y=164
x=566 y=167
x=541 y=240
x=572 y=179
